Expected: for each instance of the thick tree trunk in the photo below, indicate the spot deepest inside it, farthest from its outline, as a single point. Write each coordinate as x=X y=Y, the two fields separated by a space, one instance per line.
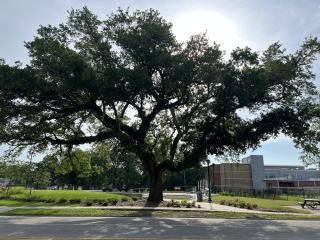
x=155 y=191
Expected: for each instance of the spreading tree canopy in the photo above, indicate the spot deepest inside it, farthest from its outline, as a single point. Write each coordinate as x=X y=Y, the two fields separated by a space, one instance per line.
x=127 y=78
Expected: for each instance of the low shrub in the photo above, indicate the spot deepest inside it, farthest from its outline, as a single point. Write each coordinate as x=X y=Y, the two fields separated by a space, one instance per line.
x=173 y=203
x=227 y=194
x=248 y=206
x=101 y=202
x=184 y=202
x=242 y=204
x=62 y=200
x=32 y=199
x=75 y=201
x=113 y=201
x=235 y=204
x=238 y=203
x=189 y=205
x=133 y=196
x=88 y=203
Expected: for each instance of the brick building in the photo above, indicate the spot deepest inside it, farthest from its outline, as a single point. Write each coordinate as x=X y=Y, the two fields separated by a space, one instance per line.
x=252 y=175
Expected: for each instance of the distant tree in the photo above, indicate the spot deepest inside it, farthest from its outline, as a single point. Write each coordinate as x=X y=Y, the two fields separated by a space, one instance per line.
x=185 y=178
x=169 y=103
x=16 y=171
x=49 y=164
x=126 y=171
x=74 y=167
x=114 y=165
x=100 y=163
x=3 y=167
x=42 y=177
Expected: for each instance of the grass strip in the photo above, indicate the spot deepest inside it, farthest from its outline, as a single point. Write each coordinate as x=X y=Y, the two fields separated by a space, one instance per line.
x=83 y=212
x=280 y=204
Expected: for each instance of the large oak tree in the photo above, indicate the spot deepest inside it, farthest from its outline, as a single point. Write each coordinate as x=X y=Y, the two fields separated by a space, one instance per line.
x=127 y=78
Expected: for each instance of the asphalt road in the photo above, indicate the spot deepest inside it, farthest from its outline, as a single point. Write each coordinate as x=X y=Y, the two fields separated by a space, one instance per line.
x=154 y=228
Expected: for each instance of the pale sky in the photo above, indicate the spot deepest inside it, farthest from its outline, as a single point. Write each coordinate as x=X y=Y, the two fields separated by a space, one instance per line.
x=255 y=23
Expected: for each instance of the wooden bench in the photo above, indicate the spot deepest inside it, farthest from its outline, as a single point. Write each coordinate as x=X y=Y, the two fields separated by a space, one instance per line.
x=310 y=202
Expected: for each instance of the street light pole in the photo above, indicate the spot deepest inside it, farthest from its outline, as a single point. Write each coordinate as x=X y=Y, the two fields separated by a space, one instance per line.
x=209 y=182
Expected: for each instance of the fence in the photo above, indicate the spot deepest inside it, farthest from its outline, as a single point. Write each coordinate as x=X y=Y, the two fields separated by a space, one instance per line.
x=310 y=192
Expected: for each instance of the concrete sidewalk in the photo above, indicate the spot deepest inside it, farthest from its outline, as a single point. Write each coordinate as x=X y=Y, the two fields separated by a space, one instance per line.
x=5 y=209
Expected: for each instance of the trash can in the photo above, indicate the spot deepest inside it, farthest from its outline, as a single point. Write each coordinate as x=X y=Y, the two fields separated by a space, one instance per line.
x=199 y=196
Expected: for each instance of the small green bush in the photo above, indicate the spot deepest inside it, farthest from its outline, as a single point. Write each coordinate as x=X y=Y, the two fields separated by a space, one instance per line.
x=32 y=199
x=254 y=206
x=235 y=204
x=189 y=205
x=222 y=202
x=173 y=203
x=62 y=200
x=75 y=201
x=113 y=201
x=184 y=202
x=101 y=202
x=248 y=206
x=242 y=204
x=89 y=203
x=104 y=203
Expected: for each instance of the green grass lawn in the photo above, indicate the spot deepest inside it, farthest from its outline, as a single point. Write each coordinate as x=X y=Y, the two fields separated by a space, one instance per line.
x=280 y=204
x=23 y=196
x=85 y=212
x=74 y=194
x=22 y=203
